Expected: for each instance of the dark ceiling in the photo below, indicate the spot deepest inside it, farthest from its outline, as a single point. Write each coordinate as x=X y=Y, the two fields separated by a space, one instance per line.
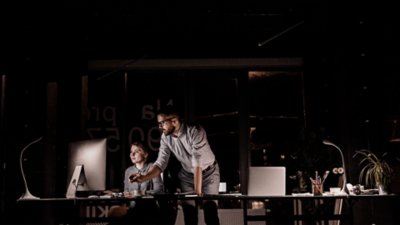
x=197 y=29
x=132 y=29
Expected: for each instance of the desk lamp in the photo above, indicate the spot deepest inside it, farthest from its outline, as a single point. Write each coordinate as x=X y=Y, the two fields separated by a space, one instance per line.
x=27 y=194
x=343 y=189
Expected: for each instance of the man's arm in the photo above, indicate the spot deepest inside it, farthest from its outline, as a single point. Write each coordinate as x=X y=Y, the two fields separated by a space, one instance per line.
x=198 y=179
x=154 y=171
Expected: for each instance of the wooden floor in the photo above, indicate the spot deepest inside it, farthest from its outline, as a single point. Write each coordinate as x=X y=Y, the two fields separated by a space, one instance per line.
x=226 y=217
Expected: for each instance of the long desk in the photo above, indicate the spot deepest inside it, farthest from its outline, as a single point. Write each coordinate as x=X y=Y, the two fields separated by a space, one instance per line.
x=287 y=209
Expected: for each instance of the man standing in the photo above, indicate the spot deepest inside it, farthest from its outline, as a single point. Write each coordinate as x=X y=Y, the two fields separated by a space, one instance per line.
x=200 y=171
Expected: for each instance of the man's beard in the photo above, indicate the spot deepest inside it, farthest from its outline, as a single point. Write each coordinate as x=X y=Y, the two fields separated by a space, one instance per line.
x=168 y=132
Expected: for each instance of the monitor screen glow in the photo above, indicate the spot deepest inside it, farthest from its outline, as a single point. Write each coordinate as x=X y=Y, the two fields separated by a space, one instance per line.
x=92 y=155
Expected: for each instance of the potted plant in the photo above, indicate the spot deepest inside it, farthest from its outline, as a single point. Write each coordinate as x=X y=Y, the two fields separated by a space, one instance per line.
x=375 y=172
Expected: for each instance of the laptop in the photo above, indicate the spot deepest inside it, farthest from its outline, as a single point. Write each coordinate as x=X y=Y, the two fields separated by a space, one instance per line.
x=267 y=181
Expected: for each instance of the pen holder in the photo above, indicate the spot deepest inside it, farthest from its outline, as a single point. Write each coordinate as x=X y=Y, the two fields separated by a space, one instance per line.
x=317 y=188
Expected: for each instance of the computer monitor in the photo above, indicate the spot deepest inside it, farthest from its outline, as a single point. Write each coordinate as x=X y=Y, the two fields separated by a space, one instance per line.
x=86 y=166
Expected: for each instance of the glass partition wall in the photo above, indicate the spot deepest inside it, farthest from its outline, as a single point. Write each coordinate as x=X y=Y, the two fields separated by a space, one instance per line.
x=251 y=117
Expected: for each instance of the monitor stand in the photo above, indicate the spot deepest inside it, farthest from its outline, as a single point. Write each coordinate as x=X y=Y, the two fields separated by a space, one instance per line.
x=78 y=180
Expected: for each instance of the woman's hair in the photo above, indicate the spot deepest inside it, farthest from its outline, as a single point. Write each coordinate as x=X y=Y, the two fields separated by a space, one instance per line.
x=140 y=145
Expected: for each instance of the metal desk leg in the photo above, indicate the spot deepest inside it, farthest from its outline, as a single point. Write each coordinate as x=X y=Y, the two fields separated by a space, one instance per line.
x=245 y=213
x=297 y=210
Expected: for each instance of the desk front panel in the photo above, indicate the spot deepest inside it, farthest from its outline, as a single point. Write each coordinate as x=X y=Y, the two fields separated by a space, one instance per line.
x=79 y=210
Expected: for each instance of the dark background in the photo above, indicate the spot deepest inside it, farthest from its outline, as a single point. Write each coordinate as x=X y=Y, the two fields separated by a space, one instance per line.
x=344 y=89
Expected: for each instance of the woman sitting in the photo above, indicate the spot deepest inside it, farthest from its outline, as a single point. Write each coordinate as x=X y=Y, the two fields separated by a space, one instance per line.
x=135 y=212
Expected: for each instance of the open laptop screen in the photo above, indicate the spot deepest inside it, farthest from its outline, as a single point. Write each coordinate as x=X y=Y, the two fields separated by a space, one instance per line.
x=267 y=181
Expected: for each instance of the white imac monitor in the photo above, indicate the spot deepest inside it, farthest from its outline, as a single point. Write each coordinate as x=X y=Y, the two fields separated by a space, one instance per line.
x=86 y=166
